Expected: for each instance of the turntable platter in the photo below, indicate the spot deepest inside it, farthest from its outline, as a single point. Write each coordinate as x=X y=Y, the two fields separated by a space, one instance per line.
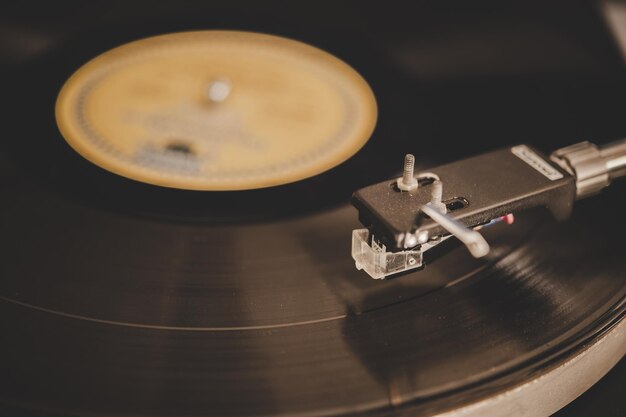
x=130 y=290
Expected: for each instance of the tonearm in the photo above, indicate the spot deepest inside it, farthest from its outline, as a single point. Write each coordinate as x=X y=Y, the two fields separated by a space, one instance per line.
x=410 y=215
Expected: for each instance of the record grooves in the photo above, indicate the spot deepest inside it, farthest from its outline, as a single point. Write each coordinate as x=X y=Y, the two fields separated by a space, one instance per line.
x=124 y=298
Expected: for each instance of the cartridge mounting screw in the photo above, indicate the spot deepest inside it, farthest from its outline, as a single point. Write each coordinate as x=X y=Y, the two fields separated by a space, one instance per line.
x=408 y=182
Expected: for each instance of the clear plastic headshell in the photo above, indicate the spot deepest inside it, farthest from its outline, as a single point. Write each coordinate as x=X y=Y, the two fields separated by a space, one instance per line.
x=376 y=261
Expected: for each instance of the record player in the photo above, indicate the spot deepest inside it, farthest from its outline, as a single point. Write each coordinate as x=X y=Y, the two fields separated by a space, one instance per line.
x=251 y=208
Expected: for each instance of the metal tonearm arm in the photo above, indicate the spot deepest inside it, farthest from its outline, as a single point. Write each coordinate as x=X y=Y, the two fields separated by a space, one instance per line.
x=407 y=216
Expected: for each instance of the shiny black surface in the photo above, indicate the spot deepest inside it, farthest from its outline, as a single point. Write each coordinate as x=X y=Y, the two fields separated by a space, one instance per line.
x=119 y=298
x=491 y=184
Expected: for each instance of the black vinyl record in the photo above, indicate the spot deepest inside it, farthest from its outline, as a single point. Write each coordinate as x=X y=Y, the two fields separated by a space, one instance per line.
x=128 y=299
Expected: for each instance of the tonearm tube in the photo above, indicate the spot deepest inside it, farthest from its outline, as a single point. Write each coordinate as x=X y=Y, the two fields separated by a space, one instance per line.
x=406 y=217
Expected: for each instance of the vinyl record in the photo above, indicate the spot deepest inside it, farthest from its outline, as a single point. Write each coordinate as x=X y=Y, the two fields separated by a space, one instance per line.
x=125 y=298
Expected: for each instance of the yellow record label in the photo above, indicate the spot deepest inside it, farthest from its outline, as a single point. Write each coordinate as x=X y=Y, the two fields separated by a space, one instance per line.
x=216 y=110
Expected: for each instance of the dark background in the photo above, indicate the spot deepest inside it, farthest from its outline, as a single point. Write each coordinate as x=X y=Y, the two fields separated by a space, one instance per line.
x=454 y=77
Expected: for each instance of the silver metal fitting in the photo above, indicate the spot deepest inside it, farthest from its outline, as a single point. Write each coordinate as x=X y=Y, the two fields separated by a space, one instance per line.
x=474 y=241
x=593 y=166
x=408 y=182
x=219 y=90
x=436 y=196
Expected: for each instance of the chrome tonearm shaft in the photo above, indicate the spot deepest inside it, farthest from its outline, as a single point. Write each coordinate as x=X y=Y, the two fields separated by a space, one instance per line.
x=408 y=217
x=593 y=166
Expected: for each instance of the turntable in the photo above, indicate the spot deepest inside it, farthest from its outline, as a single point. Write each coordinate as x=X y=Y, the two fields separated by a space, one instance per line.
x=310 y=210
